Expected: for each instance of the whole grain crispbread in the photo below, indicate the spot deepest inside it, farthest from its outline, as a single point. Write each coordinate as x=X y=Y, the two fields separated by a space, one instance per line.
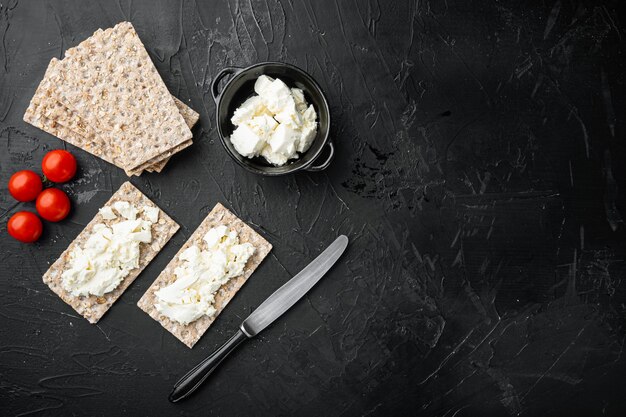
x=62 y=123
x=53 y=117
x=191 y=118
x=111 y=83
x=191 y=333
x=93 y=307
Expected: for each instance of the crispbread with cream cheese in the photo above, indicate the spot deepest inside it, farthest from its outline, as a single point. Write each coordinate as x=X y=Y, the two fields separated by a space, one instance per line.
x=111 y=83
x=93 y=307
x=191 y=333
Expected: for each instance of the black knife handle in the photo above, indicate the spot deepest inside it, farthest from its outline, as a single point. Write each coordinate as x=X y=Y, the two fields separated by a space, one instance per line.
x=194 y=378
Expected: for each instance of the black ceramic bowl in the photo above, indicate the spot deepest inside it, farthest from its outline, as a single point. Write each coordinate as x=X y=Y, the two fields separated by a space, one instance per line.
x=240 y=86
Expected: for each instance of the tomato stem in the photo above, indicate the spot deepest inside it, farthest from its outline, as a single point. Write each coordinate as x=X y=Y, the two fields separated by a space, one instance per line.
x=46 y=182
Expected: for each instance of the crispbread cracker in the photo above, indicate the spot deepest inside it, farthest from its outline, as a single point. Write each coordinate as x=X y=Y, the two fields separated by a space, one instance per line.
x=111 y=83
x=53 y=117
x=93 y=307
x=164 y=157
x=56 y=129
x=43 y=101
x=159 y=158
x=191 y=333
x=157 y=163
x=191 y=118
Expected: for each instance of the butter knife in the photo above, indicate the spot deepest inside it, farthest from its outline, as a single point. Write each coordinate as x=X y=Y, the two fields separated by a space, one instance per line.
x=271 y=309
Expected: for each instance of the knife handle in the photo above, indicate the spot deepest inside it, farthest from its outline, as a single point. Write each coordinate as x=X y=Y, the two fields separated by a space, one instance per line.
x=194 y=378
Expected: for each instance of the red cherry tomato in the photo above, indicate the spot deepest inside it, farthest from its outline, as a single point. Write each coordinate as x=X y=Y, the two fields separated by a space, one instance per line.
x=25 y=226
x=59 y=165
x=53 y=204
x=25 y=185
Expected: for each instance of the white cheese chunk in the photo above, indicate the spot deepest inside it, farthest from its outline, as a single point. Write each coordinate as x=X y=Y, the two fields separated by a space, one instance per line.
x=126 y=210
x=289 y=116
x=108 y=255
x=214 y=236
x=308 y=134
x=276 y=96
x=272 y=157
x=126 y=227
x=309 y=129
x=246 y=142
x=250 y=108
x=238 y=257
x=201 y=273
x=151 y=213
x=262 y=125
x=186 y=313
x=277 y=124
x=298 y=98
x=309 y=115
x=262 y=83
x=107 y=213
x=284 y=140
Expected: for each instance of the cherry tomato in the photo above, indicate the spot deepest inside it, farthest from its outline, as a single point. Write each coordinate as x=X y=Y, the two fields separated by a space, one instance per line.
x=53 y=204
x=59 y=165
x=25 y=226
x=25 y=185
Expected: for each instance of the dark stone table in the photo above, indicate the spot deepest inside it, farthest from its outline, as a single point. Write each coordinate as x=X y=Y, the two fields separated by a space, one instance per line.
x=479 y=174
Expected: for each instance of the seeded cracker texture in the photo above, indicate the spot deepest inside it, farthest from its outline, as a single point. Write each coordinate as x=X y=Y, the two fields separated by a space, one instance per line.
x=191 y=333
x=191 y=118
x=43 y=103
x=93 y=308
x=53 y=117
x=111 y=83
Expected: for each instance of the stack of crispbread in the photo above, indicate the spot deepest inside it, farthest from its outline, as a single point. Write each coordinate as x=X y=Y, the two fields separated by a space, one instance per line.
x=107 y=98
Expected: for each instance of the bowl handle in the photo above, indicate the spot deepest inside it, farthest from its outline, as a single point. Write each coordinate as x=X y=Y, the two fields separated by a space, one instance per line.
x=216 y=81
x=326 y=163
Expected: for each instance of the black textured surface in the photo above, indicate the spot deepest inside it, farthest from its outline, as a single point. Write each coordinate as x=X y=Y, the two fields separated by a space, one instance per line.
x=479 y=175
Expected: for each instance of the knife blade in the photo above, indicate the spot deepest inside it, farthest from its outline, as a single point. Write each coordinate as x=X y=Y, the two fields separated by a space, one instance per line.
x=272 y=308
x=287 y=295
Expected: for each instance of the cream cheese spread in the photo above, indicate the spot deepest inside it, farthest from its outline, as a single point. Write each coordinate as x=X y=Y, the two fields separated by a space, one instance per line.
x=277 y=123
x=111 y=252
x=203 y=270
